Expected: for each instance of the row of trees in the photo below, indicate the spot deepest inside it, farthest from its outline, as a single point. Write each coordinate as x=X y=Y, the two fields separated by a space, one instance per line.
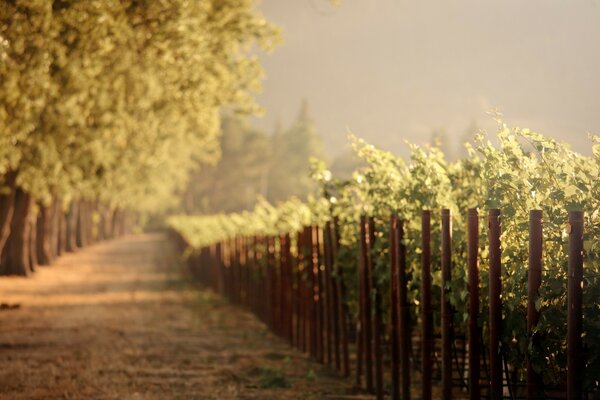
x=107 y=105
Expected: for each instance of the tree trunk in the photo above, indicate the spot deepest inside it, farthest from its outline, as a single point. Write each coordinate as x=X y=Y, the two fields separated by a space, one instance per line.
x=104 y=227
x=7 y=206
x=55 y=230
x=109 y=227
x=15 y=255
x=61 y=246
x=44 y=235
x=71 y=227
x=122 y=223
x=90 y=226
x=33 y=256
x=81 y=225
x=114 y=232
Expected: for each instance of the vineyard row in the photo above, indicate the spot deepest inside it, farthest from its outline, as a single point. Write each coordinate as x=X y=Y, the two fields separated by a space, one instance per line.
x=294 y=283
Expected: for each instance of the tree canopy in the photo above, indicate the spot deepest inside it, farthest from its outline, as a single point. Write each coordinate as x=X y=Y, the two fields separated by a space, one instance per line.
x=117 y=100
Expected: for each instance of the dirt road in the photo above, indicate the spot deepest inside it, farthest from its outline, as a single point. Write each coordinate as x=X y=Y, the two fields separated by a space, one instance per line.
x=119 y=320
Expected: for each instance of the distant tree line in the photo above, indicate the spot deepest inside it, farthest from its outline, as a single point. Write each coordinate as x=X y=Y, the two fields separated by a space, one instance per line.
x=256 y=164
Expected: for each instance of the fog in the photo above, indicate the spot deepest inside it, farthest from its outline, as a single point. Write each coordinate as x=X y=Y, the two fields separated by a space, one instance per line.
x=392 y=70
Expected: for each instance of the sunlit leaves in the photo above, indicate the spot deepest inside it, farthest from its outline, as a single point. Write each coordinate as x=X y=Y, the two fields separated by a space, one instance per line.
x=118 y=100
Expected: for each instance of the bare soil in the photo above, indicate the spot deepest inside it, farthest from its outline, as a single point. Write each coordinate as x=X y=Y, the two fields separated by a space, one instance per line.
x=121 y=320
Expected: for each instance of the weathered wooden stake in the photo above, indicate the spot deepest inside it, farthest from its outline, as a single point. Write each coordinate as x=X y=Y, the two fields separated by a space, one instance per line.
x=534 y=281
x=446 y=308
x=473 y=279
x=426 y=312
x=495 y=304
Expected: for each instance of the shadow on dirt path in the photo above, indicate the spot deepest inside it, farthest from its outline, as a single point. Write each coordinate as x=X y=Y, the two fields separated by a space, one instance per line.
x=119 y=320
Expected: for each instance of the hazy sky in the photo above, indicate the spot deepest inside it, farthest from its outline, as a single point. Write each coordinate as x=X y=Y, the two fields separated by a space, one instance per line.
x=391 y=70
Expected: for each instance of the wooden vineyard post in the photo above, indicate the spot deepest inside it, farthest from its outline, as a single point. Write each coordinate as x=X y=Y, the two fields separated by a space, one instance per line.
x=289 y=296
x=534 y=281
x=395 y=307
x=495 y=304
x=575 y=367
x=377 y=320
x=219 y=267
x=405 y=328
x=307 y=294
x=314 y=294
x=366 y=323
x=446 y=309
x=264 y=279
x=319 y=295
x=286 y=288
x=299 y=305
x=426 y=312
x=277 y=268
x=333 y=332
x=473 y=310
x=341 y=308
x=272 y=297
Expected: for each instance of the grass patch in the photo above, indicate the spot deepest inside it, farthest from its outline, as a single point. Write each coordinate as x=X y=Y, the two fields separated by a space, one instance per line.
x=271 y=378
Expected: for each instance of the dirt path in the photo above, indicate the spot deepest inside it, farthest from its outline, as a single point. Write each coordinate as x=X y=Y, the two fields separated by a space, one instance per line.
x=120 y=321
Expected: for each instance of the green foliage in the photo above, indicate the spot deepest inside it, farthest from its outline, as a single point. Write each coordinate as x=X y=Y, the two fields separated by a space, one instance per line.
x=119 y=100
x=265 y=219
x=518 y=171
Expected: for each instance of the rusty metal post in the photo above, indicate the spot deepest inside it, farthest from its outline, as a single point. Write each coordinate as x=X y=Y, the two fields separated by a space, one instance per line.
x=534 y=281
x=575 y=367
x=495 y=303
x=446 y=308
x=473 y=279
x=394 y=307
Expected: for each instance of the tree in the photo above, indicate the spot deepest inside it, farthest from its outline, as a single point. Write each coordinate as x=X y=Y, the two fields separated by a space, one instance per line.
x=289 y=169
x=234 y=183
